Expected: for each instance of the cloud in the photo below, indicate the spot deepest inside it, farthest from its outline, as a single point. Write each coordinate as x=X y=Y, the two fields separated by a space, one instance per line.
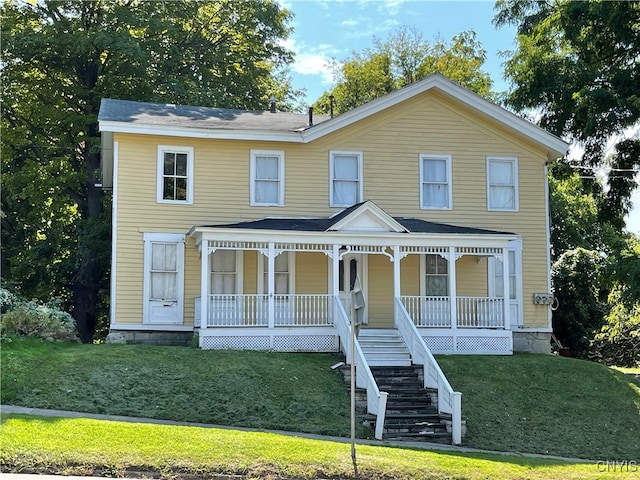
x=349 y=22
x=312 y=60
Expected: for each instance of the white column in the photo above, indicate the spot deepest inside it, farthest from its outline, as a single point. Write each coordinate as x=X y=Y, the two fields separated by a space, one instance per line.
x=204 y=285
x=271 y=283
x=396 y=282
x=335 y=279
x=452 y=288
x=507 y=294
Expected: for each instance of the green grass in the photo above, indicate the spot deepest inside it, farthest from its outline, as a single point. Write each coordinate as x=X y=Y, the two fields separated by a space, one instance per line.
x=249 y=389
x=84 y=447
x=547 y=404
x=523 y=403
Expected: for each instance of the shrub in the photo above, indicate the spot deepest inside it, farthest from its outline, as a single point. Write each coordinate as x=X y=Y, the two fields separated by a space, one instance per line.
x=618 y=343
x=35 y=319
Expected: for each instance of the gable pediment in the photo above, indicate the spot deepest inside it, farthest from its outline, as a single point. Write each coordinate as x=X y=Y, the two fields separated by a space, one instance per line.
x=367 y=217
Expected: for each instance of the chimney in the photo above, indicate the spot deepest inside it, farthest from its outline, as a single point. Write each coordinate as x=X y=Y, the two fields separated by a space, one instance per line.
x=331 y=104
x=272 y=104
x=311 y=116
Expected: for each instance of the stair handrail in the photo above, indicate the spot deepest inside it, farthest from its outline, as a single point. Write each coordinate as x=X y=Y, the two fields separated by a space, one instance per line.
x=376 y=400
x=449 y=401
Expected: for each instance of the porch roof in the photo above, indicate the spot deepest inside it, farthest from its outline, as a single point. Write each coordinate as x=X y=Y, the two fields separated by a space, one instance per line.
x=412 y=225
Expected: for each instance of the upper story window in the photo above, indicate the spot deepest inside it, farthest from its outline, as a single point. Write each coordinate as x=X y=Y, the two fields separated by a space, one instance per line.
x=267 y=178
x=175 y=174
x=435 y=181
x=502 y=183
x=345 y=172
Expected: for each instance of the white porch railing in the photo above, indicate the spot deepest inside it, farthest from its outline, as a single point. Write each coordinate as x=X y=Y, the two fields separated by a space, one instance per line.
x=448 y=400
x=376 y=400
x=251 y=310
x=480 y=312
x=428 y=311
x=471 y=312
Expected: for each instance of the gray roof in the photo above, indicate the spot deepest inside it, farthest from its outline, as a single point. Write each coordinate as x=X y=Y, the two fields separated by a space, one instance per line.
x=184 y=116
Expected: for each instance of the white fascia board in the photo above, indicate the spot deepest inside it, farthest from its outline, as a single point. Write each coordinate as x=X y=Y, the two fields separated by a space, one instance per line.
x=557 y=147
x=230 y=134
x=353 y=238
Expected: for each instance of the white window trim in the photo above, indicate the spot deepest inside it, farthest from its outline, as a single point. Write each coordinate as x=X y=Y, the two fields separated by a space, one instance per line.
x=160 y=171
x=516 y=204
x=447 y=158
x=148 y=239
x=262 y=288
x=333 y=153
x=252 y=178
x=514 y=246
x=423 y=273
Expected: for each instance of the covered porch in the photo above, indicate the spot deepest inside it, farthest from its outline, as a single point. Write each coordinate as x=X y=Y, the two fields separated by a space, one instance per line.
x=279 y=284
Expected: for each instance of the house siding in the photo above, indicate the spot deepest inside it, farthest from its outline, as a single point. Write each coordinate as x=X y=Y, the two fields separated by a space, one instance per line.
x=391 y=142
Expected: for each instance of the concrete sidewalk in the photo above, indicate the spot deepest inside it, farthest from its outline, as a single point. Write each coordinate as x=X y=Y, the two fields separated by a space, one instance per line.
x=6 y=409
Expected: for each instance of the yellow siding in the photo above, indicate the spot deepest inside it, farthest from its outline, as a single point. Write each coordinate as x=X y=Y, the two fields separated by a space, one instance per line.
x=250 y=264
x=380 y=292
x=471 y=276
x=390 y=141
x=410 y=275
x=312 y=270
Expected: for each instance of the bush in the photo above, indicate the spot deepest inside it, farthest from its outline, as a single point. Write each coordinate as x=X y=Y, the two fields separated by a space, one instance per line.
x=35 y=319
x=618 y=343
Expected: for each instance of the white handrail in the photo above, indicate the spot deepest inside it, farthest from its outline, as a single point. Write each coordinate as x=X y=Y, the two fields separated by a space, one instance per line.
x=448 y=400
x=376 y=400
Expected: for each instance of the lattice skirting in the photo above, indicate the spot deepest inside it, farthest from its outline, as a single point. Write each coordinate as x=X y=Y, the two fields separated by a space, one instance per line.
x=469 y=344
x=279 y=343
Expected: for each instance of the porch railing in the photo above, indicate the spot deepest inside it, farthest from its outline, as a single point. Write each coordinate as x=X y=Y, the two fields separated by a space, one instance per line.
x=251 y=310
x=480 y=312
x=376 y=400
x=428 y=311
x=472 y=312
x=448 y=400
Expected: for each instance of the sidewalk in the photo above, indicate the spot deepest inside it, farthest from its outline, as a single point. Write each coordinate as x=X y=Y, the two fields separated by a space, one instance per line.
x=5 y=409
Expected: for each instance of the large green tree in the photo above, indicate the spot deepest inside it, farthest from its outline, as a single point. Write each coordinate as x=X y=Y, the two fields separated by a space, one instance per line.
x=577 y=67
x=401 y=59
x=59 y=58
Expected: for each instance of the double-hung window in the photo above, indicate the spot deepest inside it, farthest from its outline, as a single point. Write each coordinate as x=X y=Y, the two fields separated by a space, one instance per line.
x=224 y=272
x=281 y=274
x=267 y=178
x=437 y=276
x=435 y=181
x=345 y=171
x=502 y=183
x=175 y=175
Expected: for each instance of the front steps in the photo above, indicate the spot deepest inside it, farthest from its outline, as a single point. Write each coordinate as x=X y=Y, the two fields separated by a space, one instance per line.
x=383 y=348
x=412 y=411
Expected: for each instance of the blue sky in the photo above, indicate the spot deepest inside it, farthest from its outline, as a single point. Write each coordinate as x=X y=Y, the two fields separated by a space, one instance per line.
x=333 y=29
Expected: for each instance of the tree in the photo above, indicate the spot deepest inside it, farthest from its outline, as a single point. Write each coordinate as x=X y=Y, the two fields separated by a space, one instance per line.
x=577 y=65
x=59 y=60
x=403 y=58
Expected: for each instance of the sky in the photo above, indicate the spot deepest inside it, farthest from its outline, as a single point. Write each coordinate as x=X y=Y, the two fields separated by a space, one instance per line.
x=334 y=29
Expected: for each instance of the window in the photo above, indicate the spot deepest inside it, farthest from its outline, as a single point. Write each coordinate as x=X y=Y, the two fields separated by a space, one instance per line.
x=437 y=276
x=498 y=278
x=346 y=179
x=435 y=181
x=267 y=178
x=175 y=174
x=224 y=275
x=282 y=276
x=502 y=183
x=163 y=277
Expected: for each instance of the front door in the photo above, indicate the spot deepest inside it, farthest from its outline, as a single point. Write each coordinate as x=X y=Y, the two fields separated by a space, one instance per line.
x=350 y=266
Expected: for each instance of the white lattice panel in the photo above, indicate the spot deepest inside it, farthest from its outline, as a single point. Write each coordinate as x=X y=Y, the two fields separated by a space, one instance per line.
x=235 y=343
x=483 y=345
x=439 y=344
x=305 y=343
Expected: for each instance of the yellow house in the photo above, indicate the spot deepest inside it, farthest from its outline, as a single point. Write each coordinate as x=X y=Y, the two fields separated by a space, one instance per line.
x=423 y=214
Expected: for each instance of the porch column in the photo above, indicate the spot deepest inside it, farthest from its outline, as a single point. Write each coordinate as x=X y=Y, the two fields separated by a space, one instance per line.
x=204 y=285
x=396 y=282
x=507 y=294
x=271 y=284
x=335 y=279
x=453 y=305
